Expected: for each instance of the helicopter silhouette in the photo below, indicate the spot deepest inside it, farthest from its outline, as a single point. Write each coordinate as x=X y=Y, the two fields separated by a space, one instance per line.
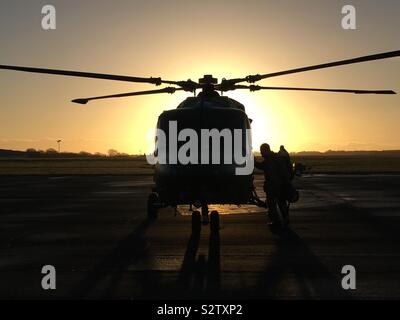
x=200 y=185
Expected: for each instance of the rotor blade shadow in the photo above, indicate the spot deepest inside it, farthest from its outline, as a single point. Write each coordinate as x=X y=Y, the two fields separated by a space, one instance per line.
x=129 y=250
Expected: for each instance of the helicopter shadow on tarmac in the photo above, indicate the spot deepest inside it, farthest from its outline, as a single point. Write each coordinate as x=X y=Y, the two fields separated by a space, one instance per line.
x=200 y=277
x=292 y=268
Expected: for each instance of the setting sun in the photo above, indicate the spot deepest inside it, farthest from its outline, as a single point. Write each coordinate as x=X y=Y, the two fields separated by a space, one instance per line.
x=188 y=50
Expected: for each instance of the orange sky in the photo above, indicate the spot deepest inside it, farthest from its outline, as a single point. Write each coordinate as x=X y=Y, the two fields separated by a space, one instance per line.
x=186 y=39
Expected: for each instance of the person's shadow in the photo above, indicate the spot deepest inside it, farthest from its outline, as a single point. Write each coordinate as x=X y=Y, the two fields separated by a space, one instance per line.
x=312 y=279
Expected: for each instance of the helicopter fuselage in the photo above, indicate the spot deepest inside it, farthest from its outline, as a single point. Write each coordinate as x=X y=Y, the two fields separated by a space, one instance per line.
x=205 y=181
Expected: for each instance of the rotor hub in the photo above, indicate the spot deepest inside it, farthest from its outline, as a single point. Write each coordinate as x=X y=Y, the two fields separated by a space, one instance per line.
x=208 y=79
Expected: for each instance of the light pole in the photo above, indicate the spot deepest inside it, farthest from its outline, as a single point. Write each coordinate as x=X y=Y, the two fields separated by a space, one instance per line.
x=59 y=143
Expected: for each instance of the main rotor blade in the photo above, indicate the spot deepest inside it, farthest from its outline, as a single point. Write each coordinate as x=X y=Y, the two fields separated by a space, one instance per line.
x=356 y=91
x=129 y=94
x=156 y=81
x=258 y=77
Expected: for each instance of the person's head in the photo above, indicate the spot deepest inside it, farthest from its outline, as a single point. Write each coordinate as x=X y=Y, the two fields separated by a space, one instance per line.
x=282 y=147
x=265 y=149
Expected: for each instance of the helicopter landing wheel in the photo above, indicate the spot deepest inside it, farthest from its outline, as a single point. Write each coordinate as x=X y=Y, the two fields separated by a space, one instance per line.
x=152 y=207
x=214 y=221
x=196 y=221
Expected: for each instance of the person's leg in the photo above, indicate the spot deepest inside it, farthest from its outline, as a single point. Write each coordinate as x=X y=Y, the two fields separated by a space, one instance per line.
x=284 y=208
x=272 y=209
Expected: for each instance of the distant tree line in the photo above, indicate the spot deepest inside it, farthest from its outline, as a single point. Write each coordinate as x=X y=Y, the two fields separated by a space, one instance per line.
x=51 y=152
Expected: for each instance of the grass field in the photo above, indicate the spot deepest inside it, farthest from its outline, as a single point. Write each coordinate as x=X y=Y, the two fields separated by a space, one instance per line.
x=74 y=166
x=351 y=164
x=138 y=166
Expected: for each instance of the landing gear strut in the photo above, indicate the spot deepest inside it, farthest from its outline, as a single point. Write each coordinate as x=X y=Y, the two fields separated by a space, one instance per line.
x=204 y=218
